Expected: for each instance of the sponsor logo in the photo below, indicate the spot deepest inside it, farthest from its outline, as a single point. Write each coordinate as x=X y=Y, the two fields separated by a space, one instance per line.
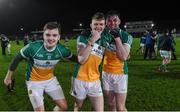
x=30 y=91
x=49 y=57
x=40 y=55
x=47 y=62
x=98 y=50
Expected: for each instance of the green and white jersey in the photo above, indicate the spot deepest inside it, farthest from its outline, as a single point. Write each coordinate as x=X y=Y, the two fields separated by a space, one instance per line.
x=89 y=71
x=111 y=63
x=41 y=61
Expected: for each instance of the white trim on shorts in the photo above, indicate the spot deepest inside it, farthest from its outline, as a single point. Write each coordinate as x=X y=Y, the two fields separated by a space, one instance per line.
x=142 y=45
x=36 y=91
x=80 y=89
x=165 y=54
x=115 y=82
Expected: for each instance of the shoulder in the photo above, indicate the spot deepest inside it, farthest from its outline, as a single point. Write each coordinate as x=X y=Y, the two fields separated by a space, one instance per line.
x=125 y=34
x=62 y=48
x=63 y=51
x=85 y=33
x=36 y=44
x=84 y=36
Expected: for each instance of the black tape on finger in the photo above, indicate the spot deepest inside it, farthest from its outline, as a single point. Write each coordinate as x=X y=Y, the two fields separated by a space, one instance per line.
x=114 y=33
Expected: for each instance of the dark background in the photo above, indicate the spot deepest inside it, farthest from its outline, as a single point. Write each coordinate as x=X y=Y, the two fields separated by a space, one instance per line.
x=33 y=14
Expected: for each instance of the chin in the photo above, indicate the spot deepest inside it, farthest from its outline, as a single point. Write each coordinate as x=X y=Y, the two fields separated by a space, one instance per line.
x=50 y=45
x=100 y=31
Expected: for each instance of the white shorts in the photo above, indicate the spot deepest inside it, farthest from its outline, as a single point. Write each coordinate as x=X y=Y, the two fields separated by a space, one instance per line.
x=165 y=54
x=142 y=45
x=36 y=90
x=80 y=89
x=115 y=82
x=9 y=45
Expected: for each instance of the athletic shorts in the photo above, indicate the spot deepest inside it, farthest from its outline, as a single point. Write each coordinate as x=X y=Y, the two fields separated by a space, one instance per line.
x=142 y=45
x=36 y=90
x=165 y=54
x=115 y=82
x=80 y=89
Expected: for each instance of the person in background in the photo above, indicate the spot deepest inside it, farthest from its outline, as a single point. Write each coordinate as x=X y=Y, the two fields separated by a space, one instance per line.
x=165 y=46
x=4 y=43
x=142 y=43
x=173 y=37
x=26 y=39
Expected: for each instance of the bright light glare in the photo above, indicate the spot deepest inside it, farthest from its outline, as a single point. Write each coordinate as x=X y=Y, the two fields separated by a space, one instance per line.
x=80 y=24
x=152 y=24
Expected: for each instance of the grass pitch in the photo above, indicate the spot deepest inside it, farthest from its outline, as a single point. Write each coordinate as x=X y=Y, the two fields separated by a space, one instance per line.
x=147 y=90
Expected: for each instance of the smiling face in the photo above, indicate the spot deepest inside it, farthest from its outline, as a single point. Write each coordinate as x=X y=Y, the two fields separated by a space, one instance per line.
x=97 y=25
x=51 y=37
x=113 y=22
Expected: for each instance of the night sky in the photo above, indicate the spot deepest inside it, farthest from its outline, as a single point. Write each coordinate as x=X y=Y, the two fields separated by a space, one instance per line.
x=33 y=14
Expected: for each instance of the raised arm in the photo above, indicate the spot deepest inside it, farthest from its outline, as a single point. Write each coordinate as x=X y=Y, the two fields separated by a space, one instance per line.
x=85 y=50
x=122 y=49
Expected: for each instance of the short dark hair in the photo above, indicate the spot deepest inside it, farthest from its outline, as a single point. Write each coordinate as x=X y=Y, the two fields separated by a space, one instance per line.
x=98 y=16
x=52 y=25
x=164 y=31
x=112 y=13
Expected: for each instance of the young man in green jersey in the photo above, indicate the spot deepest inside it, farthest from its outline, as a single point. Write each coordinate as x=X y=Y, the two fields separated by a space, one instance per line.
x=42 y=56
x=115 y=71
x=90 y=47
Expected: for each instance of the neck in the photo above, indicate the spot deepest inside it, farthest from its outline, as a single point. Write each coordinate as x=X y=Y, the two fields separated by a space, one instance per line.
x=49 y=48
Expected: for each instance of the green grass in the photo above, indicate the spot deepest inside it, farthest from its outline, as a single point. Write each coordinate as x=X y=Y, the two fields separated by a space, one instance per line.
x=147 y=90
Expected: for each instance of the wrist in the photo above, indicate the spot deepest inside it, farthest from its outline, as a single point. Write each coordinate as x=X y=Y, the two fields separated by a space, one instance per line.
x=115 y=36
x=90 y=43
x=118 y=40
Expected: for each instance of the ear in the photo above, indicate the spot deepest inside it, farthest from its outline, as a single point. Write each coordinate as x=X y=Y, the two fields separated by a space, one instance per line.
x=119 y=21
x=91 y=25
x=59 y=37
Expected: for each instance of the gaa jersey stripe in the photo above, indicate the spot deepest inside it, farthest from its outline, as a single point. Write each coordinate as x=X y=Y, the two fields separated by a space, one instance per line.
x=41 y=61
x=45 y=64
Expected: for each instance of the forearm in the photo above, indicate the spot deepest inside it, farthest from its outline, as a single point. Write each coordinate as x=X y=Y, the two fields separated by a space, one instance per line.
x=121 y=51
x=15 y=62
x=84 y=54
x=9 y=74
x=8 y=79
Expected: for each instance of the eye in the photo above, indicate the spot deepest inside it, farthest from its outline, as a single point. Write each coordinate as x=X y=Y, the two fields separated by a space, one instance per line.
x=54 y=35
x=115 y=20
x=47 y=34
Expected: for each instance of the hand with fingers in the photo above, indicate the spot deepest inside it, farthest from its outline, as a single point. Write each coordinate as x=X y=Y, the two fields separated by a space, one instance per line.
x=9 y=83
x=114 y=33
x=95 y=35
